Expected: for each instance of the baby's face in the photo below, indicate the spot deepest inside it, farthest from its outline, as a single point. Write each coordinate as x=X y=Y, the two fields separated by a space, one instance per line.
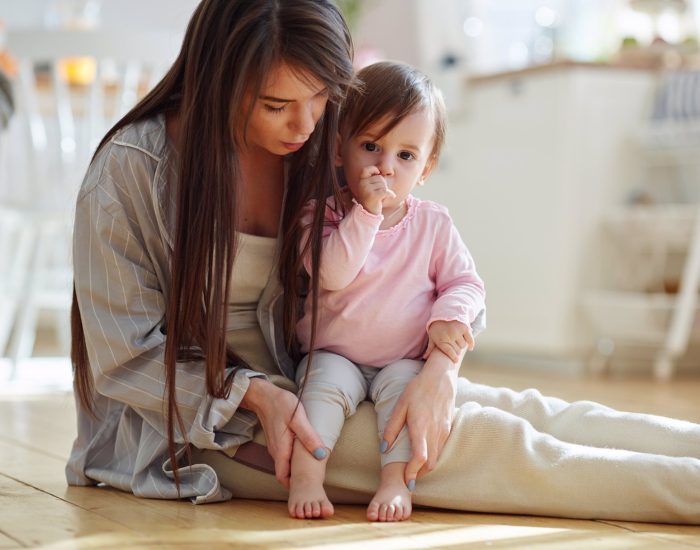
x=403 y=155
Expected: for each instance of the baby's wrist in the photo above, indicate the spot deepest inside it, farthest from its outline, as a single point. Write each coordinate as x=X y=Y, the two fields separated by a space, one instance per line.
x=367 y=209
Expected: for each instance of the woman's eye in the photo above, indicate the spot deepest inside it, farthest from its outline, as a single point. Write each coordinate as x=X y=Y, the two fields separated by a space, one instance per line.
x=405 y=155
x=371 y=147
x=271 y=109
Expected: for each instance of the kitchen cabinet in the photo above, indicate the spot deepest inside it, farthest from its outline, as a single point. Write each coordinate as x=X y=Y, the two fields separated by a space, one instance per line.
x=534 y=160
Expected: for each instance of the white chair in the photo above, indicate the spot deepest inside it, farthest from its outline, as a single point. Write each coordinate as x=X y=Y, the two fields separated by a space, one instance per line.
x=53 y=136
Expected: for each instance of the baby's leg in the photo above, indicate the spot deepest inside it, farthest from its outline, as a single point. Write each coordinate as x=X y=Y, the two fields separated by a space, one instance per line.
x=392 y=501
x=307 y=498
x=330 y=391
x=589 y=423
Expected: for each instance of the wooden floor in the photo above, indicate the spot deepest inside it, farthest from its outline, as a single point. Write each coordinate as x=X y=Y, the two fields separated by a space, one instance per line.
x=38 y=509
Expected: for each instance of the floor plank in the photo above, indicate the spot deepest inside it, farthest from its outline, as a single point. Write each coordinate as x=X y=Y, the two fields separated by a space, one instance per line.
x=33 y=517
x=108 y=518
x=45 y=423
x=8 y=542
x=36 y=434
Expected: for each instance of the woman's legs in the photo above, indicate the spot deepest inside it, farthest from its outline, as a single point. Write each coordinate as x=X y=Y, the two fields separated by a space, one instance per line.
x=496 y=461
x=589 y=423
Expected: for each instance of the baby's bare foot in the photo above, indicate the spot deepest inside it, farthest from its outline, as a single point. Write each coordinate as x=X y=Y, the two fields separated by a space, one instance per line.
x=392 y=501
x=307 y=499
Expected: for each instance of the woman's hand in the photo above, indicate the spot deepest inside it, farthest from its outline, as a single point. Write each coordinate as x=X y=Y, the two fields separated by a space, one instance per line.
x=283 y=419
x=427 y=408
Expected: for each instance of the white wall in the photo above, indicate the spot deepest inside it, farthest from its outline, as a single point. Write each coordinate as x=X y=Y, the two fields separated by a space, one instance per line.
x=160 y=14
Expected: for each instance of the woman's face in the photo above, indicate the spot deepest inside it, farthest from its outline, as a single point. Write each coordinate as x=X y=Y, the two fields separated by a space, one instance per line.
x=286 y=111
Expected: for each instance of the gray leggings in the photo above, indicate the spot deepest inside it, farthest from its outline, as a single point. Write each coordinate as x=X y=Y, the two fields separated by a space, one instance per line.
x=335 y=386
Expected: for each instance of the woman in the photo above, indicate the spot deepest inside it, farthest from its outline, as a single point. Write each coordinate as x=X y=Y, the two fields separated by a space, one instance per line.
x=186 y=278
x=254 y=82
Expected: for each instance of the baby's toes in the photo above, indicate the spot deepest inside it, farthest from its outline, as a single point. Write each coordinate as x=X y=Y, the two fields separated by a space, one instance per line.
x=315 y=509
x=373 y=511
x=326 y=509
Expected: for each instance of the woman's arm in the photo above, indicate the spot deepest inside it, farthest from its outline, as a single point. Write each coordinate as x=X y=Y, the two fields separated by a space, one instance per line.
x=120 y=270
x=426 y=407
x=283 y=419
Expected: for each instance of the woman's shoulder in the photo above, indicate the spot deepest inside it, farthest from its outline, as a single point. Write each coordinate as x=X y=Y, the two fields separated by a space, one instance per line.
x=147 y=136
x=131 y=155
x=127 y=173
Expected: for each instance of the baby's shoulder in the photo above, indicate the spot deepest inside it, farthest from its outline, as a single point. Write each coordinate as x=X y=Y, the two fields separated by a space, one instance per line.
x=431 y=211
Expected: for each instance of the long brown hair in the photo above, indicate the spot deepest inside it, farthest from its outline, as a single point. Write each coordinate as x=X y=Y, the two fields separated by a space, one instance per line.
x=229 y=48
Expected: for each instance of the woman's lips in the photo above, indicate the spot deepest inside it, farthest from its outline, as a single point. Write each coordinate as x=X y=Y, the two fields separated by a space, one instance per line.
x=293 y=146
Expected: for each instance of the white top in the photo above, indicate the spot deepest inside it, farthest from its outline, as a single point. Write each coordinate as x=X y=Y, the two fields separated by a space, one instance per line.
x=255 y=259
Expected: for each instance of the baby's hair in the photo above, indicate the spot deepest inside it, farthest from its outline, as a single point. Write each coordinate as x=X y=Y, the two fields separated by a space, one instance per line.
x=392 y=90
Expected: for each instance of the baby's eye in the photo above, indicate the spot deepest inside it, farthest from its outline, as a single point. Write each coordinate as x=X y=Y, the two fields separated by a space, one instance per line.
x=406 y=155
x=371 y=147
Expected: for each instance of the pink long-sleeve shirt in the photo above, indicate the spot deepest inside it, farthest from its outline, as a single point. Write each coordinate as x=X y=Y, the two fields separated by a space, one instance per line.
x=381 y=289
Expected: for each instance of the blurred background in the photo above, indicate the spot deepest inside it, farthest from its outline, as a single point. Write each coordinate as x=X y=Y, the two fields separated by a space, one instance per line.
x=571 y=165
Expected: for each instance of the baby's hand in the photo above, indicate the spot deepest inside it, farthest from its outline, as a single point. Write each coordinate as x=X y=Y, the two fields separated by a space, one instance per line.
x=373 y=190
x=450 y=337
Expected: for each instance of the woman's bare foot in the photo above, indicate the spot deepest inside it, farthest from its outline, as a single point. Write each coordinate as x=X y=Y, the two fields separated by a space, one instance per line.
x=307 y=498
x=392 y=501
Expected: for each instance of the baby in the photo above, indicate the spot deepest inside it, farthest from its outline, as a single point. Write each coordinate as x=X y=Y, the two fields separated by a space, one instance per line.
x=396 y=282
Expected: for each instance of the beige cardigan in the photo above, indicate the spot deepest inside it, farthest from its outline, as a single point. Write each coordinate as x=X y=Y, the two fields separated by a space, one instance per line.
x=124 y=224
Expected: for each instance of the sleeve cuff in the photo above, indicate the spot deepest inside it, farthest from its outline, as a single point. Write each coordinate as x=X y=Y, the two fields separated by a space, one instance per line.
x=461 y=318
x=249 y=373
x=366 y=213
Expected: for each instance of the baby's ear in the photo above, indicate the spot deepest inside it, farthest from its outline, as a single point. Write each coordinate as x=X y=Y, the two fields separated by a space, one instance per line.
x=338 y=150
x=432 y=161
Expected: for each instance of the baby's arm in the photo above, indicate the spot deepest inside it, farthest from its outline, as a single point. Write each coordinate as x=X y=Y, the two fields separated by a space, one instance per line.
x=460 y=296
x=344 y=247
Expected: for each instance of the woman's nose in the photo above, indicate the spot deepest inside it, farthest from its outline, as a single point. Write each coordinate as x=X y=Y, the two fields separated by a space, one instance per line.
x=304 y=122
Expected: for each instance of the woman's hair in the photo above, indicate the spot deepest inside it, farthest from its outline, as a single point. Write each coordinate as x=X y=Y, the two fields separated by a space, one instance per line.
x=229 y=49
x=391 y=91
